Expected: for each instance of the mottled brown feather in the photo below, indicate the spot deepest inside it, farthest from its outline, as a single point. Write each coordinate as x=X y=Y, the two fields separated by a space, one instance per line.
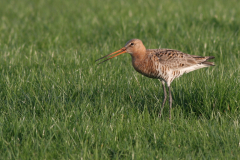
x=175 y=59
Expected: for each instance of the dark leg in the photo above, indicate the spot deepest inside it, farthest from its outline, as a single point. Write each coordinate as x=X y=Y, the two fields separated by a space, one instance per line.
x=170 y=101
x=164 y=98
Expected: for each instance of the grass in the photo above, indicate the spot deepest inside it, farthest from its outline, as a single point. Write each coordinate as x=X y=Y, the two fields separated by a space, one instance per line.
x=56 y=103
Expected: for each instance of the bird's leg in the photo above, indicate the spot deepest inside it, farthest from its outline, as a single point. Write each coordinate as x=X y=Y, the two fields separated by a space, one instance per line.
x=170 y=101
x=165 y=98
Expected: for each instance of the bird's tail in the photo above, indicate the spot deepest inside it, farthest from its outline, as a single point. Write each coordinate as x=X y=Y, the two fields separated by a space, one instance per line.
x=203 y=60
x=209 y=63
x=210 y=57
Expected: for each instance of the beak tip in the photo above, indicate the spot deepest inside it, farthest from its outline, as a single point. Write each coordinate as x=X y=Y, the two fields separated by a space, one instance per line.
x=122 y=50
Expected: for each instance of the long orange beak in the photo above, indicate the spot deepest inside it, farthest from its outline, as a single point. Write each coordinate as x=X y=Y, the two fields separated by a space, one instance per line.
x=122 y=50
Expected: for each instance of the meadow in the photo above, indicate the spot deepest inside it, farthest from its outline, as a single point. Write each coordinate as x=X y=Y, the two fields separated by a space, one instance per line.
x=56 y=103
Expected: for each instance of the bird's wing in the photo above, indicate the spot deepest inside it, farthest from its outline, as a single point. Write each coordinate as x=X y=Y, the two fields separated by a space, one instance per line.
x=176 y=60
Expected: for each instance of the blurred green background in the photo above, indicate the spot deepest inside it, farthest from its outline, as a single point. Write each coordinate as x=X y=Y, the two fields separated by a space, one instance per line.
x=56 y=103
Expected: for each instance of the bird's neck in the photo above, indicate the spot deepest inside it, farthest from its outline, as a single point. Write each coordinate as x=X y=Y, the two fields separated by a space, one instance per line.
x=138 y=59
x=138 y=56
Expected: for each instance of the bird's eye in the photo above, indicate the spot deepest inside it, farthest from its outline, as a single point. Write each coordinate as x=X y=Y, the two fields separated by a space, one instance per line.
x=132 y=44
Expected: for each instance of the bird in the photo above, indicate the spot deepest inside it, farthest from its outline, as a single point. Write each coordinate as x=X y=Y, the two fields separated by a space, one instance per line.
x=163 y=64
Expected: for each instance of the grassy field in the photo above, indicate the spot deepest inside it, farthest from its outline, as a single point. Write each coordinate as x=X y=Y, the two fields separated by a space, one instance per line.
x=56 y=103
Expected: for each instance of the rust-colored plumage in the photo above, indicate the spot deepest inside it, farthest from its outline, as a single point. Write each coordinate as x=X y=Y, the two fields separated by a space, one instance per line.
x=162 y=64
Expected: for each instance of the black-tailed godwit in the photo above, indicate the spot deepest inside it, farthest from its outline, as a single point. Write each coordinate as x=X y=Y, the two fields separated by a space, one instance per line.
x=162 y=64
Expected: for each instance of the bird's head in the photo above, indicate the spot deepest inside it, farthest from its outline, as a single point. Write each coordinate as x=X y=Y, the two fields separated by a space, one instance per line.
x=134 y=46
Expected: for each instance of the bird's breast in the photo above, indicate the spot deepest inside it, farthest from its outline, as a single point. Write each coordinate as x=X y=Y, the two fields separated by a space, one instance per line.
x=146 y=67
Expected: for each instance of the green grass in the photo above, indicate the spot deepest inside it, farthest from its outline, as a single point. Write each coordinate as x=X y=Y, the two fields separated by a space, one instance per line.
x=56 y=103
